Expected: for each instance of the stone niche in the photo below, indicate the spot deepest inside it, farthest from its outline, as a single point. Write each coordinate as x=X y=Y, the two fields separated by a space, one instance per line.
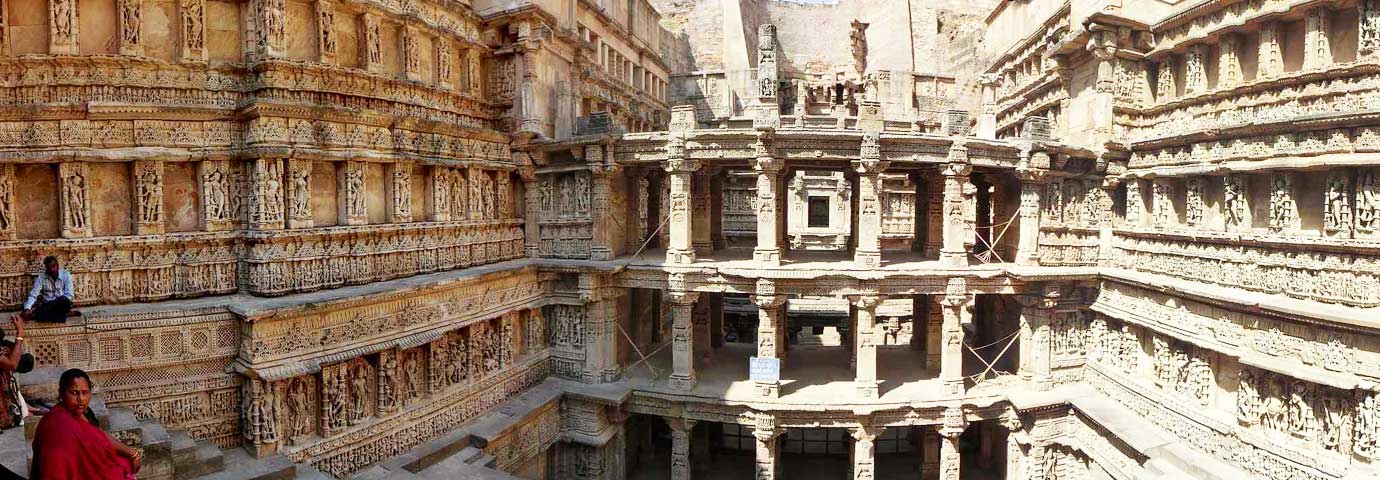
x=820 y=211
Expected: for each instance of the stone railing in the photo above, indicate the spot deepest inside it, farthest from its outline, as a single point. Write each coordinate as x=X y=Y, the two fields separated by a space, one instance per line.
x=289 y=261
x=1068 y=246
x=1303 y=268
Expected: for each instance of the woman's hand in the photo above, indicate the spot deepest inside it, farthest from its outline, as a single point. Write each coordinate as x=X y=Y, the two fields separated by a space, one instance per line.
x=136 y=459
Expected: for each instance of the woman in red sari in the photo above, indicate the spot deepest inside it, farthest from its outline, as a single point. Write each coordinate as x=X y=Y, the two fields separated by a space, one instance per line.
x=70 y=443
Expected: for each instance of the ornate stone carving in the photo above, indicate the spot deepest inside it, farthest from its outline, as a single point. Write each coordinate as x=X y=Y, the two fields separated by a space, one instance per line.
x=1337 y=204
x=299 y=193
x=371 y=43
x=1164 y=84
x=1367 y=201
x=192 y=38
x=1234 y=204
x=148 y=197
x=75 y=208
x=445 y=69
x=62 y=27
x=1135 y=202
x=1194 y=203
x=270 y=28
x=1284 y=214
x=353 y=204
x=1195 y=72
x=1229 y=72
x=1317 y=47
x=130 y=22
x=266 y=202
x=327 y=42
x=1271 y=59
x=7 y=202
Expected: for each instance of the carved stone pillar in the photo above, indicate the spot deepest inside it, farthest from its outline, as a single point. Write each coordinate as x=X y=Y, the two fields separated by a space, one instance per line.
x=682 y=338
x=1135 y=203
x=1368 y=40
x=639 y=207
x=1337 y=204
x=865 y=345
x=680 y=172
x=771 y=330
x=868 y=252
x=949 y=434
x=266 y=199
x=7 y=211
x=1106 y=253
x=129 y=22
x=439 y=183
x=532 y=215
x=352 y=206
x=216 y=212
x=192 y=34
x=389 y=395
x=934 y=213
x=75 y=205
x=864 y=451
x=327 y=43
x=1165 y=88
x=1195 y=69
x=704 y=353
x=680 y=447
x=370 y=43
x=298 y=194
x=1036 y=317
x=270 y=29
x=768 y=208
x=601 y=304
x=148 y=197
x=766 y=464
x=957 y=309
x=399 y=192
x=602 y=173
x=1270 y=54
x=62 y=27
x=1317 y=46
x=261 y=432
x=1027 y=246
x=702 y=239
x=716 y=210
x=957 y=226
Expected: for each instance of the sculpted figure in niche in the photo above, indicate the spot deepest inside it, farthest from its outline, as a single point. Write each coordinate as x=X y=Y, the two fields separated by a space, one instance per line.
x=1282 y=212
x=215 y=194
x=505 y=345
x=193 y=32
x=1367 y=425
x=333 y=396
x=388 y=367
x=1234 y=196
x=129 y=21
x=63 y=16
x=1247 y=398
x=440 y=357
x=354 y=183
x=299 y=410
x=1338 y=205
x=263 y=417
x=150 y=193
x=459 y=202
x=75 y=199
x=414 y=367
x=455 y=368
x=1275 y=413
x=1300 y=412
x=1367 y=202
x=301 y=192
x=359 y=392
x=6 y=200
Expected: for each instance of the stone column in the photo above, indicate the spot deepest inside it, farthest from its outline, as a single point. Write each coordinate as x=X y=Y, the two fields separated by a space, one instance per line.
x=682 y=338
x=701 y=237
x=865 y=451
x=74 y=205
x=1032 y=183
x=680 y=172
x=1229 y=72
x=1106 y=251
x=934 y=213
x=7 y=209
x=216 y=214
x=270 y=29
x=602 y=175
x=680 y=447
x=768 y=208
x=192 y=31
x=148 y=197
x=62 y=27
x=1270 y=55
x=399 y=192
x=1317 y=46
x=771 y=330
x=865 y=345
x=949 y=434
x=716 y=320
x=639 y=197
x=297 y=193
x=704 y=353
x=531 y=192
x=766 y=464
x=1036 y=316
x=868 y=253
x=129 y=23
x=716 y=210
x=350 y=192
x=957 y=199
x=957 y=309
x=601 y=303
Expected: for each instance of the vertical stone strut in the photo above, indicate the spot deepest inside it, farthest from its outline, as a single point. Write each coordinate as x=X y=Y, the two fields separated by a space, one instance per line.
x=602 y=173
x=1106 y=250
x=1036 y=317
x=767 y=434
x=864 y=451
x=1270 y=55
x=956 y=207
x=869 y=166
x=1032 y=183
x=771 y=330
x=680 y=447
x=682 y=338
x=956 y=305
x=1317 y=46
x=865 y=345
x=768 y=207
x=680 y=169
x=949 y=433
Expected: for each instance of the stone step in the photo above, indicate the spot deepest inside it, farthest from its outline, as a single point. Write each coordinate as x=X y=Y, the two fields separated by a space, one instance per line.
x=486 y=461
x=245 y=467
x=126 y=427
x=470 y=454
x=206 y=459
x=183 y=449
x=308 y=472
x=14 y=451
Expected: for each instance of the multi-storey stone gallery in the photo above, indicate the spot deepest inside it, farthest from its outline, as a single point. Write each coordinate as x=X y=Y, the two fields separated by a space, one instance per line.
x=712 y=239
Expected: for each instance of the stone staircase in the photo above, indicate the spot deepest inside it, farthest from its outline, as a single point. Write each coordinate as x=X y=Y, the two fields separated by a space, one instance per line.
x=168 y=455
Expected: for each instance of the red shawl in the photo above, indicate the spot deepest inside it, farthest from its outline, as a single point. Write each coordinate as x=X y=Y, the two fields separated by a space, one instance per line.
x=68 y=447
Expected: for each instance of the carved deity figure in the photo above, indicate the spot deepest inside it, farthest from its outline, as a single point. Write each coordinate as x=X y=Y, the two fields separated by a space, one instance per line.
x=1367 y=425
x=1275 y=414
x=299 y=410
x=325 y=18
x=63 y=21
x=505 y=345
x=1367 y=202
x=333 y=399
x=413 y=367
x=455 y=367
x=373 y=40
x=1300 y=411
x=215 y=193
x=149 y=189
x=388 y=383
x=1195 y=74
x=1161 y=206
x=354 y=191
x=459 y=199
x=1234 y=197
x=412 y=61
x=193 y=26
x=74 y=200
x=1337 y=207
x=1369 y=45
x=1283 y=213
x=359 y=392
x=273 y=23
x=263 y=417
x=6 y=199
x=1135 y=202
x=1194 y=203
x=301 y=192
x=130 y=21
x=1247 y=398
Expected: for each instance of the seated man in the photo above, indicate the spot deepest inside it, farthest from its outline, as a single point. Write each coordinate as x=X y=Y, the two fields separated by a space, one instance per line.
x=51 y=298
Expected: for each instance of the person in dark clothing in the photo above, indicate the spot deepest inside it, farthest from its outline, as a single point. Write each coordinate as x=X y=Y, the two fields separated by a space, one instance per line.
x=50 y=299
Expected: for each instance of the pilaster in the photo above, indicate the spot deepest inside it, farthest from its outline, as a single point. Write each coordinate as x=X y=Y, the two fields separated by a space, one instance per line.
x=532 y=218
x=771 y=330
x=601 y=303
x=680 y=447
x=957 y=306
x=1270 y=55
x=327 y=39
x=352 y=207
x=1036 y=317
x=865 y=345
x=412 y=54
x=700 y=319
x=1195 y=69
x=682 y=338
x=148 y=197
x=958 y=202
x=445 y=62
x=1229 y=72
x=702 y=239
x=864 y=451
x=868 y=253
x=1317 y=46
x=767 y=465
x=439 y=184
x=370 y=43
x=399 y=192
x=261 y=433
x=602 y=174
x=75 y=205
x=770 y=227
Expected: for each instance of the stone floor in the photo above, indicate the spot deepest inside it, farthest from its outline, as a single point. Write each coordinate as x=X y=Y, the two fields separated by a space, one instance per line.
x=741 y=257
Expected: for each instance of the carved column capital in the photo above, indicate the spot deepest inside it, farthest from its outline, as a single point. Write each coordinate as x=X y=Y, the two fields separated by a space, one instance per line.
x=955 y=422
x=683 y=298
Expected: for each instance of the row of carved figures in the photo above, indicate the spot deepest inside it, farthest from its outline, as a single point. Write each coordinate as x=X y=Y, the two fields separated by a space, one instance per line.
x=1351 y=202
x=293 y=411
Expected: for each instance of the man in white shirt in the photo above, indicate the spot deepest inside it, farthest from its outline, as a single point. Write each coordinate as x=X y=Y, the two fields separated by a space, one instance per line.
x=51 y=298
